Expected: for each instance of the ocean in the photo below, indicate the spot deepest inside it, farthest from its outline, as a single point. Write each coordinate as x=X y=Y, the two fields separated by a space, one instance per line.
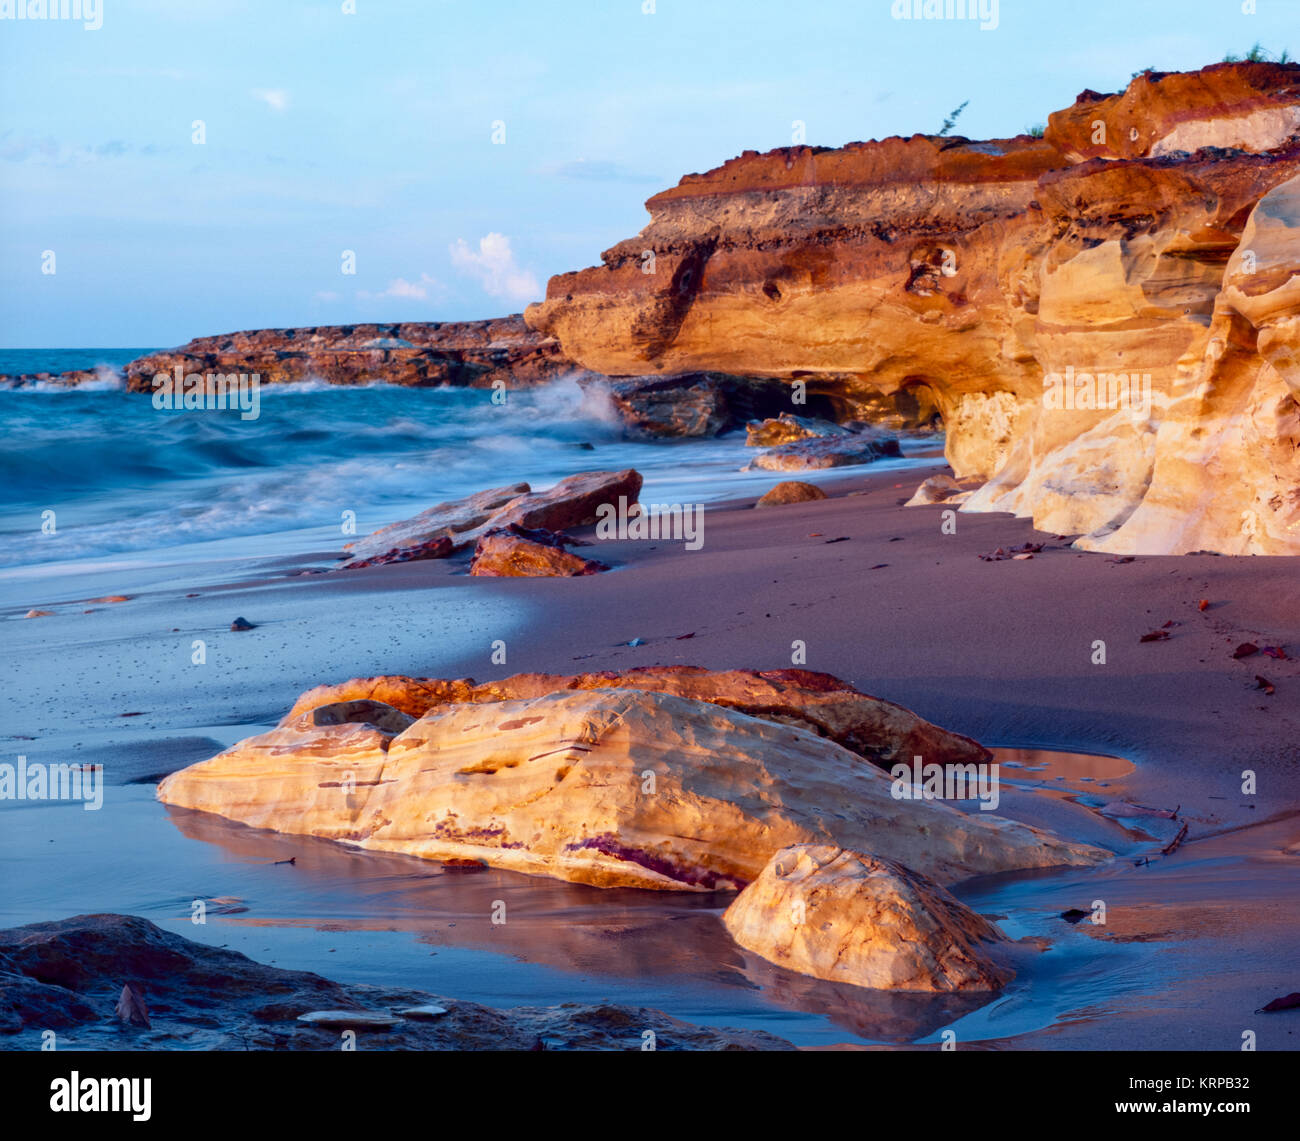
x=121 y=477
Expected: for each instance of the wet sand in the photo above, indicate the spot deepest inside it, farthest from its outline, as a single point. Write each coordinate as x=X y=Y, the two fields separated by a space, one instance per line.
x=1194 y=942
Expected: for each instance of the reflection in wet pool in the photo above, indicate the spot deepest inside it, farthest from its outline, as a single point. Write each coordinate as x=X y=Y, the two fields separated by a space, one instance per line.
x=371 y=917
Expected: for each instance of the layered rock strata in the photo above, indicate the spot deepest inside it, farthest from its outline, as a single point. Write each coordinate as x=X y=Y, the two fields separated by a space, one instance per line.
x=1105 y=318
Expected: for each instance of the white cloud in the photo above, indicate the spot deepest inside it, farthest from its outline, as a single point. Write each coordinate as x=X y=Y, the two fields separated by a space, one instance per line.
x=405 y=290
x=494 y=266
x=326 y=295
x=274 y=98
x=400 y=287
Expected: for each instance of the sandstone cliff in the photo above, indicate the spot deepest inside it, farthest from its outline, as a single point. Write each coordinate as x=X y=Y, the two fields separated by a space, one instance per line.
x=1107 y=318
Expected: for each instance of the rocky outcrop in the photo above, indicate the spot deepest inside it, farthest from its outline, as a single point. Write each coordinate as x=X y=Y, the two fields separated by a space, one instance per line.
x=1087 y=311
x=694 y=405
x=501 y=351
x=417 y=354
x=1243 y=106
x=573 y=502
x=788 y=428
x=613 y=788
x=790 y=491
x=517 y=552
x=875 y=729
x=858 y=919
x=66 y=975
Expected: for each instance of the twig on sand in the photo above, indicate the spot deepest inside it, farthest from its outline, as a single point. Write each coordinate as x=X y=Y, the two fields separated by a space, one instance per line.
x=1175 y=842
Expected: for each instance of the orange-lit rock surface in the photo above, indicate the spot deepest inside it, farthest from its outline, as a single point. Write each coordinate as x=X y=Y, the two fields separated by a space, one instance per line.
x=517 y=552
x=1113 y=256
x=878 y=730
x=614 y=788
x=851 y=918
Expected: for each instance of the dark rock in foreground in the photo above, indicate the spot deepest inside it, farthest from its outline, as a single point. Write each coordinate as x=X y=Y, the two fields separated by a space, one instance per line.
x=67 y=976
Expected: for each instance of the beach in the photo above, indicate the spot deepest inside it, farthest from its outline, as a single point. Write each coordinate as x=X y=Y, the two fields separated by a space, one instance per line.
x=880 y=595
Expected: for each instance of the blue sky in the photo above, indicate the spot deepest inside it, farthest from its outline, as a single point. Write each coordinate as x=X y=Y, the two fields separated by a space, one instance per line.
x=372 y=131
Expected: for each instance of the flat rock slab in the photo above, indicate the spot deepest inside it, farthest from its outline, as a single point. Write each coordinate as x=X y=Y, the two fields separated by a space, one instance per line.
x=573 y=502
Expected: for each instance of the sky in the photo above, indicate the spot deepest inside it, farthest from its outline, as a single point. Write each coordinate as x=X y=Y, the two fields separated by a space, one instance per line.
x=465 y=150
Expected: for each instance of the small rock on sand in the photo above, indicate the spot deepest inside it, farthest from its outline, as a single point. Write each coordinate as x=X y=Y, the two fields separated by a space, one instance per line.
x=242 y=624
x=428 y=1010
x=791 y=491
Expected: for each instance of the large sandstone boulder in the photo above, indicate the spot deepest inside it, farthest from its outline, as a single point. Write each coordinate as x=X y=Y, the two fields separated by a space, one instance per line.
x=1123 y=244
x=614 y=788
x=850 y=918
x=570 y=503
x=878 y=730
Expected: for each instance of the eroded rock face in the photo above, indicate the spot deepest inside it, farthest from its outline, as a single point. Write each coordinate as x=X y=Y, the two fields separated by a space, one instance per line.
x=1243 y=106
x=852 y=918
x=572 y=502
x=1225 y=466
x=517 y=552
x=614 y=788
x=1108 y=257
x=65 y=976
x=878 y=730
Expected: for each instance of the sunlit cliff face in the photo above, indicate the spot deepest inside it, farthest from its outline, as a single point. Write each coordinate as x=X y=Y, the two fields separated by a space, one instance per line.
x=1150 y=235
